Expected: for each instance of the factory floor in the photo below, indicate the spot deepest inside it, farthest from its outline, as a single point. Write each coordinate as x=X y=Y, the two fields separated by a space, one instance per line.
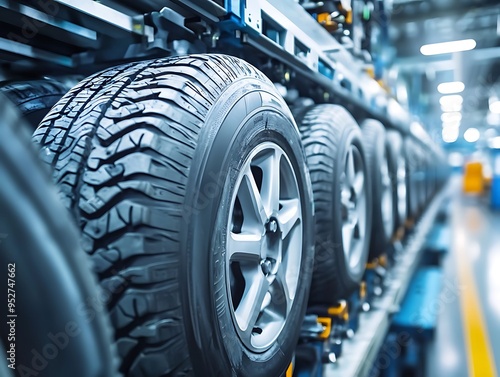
x=467 y=339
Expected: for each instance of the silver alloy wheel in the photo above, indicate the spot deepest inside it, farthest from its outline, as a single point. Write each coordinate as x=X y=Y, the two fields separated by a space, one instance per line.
x=264 y=246
x=386 y=198
x=353 y=204
x=401 y=190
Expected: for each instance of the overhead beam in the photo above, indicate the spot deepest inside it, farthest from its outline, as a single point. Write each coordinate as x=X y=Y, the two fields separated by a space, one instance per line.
x=444 y=62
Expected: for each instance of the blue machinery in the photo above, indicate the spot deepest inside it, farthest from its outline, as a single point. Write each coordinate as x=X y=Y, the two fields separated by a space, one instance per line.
x=382 y=331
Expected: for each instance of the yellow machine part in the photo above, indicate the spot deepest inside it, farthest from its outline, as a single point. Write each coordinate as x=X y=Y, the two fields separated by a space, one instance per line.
x=326 y=21
x=340 y=311
x=473 y=181
x=327 y=324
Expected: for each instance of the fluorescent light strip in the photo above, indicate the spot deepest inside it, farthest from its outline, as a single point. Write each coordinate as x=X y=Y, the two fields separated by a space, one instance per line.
x=452 y=100
x=448 y=47
x=451 y=117
x=494 y=142
x=494 y=103
x=451 y=125
x=450 y=135
x=451 y=87
x=472 y=135
x=451 y=108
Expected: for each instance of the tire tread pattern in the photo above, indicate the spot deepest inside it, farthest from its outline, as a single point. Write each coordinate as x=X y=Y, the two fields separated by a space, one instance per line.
x=121 y=144
x=34 y=98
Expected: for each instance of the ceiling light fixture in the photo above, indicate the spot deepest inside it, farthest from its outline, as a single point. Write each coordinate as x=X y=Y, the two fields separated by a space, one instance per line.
x=471 y=135
x=455 y=159
x=451 y=87
x=494 y=103
x=451 y=117
x=450 y=135
x=455 y=124
x=451 y=107
x=494 y=142
x=451 y=100
x=448 y=47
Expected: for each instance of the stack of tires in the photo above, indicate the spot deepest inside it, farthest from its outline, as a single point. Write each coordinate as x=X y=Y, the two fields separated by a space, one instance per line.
x=426 y=175
x=213 y=217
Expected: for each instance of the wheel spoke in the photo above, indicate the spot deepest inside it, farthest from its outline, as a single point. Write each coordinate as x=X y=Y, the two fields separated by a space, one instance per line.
x=283 y=294
x=244 y=247
x=271 y=182
x=250 y=199
x=350 y=168
x=347 y=235
x=358 y=184
x=289 y=215
x=357 y=230
x=251 y=303
x=264 y=246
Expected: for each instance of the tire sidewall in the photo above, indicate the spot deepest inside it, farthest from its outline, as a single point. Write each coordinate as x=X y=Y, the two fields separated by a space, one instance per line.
x=378 y=239
x=351 y=135
x=396 y=157
x=411 y=182
x=253 y=114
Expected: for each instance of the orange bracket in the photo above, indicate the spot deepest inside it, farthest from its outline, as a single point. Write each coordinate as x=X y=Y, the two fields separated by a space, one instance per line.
x=327 y=324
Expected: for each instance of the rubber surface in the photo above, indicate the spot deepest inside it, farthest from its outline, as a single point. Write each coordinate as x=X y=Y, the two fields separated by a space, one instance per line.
x=34 y=98
x=327 y=132
x=396 y=157
x=412 y=178
x=58 y=313
x=145 y=155
x=374 y=142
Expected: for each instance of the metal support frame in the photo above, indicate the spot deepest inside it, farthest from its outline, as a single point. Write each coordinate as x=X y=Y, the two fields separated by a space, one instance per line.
x=360 y=352
x=17 y=48
x=111 y=17
x=55 y=28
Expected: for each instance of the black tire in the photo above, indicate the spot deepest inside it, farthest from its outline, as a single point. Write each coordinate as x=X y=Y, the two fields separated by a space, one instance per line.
x=412 y=195
x=60 y=319
x=34 y=98
x=397 y=166
x=378 y=160
x=430 y=162
x=421 y=178
x=147 y=161
x=4 y=368
x=328 y=133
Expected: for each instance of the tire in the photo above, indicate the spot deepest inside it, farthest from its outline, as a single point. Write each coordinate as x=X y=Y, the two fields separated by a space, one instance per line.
x=34 y=98
x=430 y=176
x=377 y=160
x=411 y=179
x=4 y=368
x=60 y=322
x=330 y=135
x=421 y=178
x=397 y=168
x=154 y=160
